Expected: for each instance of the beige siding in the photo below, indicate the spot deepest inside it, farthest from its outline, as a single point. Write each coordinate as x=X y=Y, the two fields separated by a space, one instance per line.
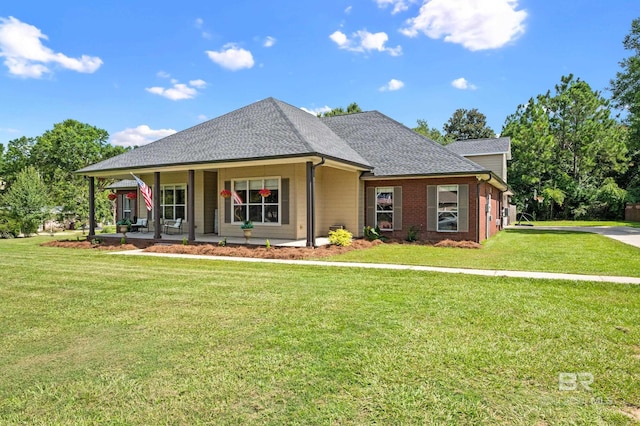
x=338 y=195
x=495 y=162
x=296 y=175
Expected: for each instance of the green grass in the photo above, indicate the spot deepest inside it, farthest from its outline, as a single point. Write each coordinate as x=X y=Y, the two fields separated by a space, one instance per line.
x=586 y=223
x=93 y=338
x=521 y=249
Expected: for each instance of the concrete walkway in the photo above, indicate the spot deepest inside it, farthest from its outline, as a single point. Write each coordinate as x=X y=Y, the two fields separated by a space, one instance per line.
x=482 y=272
x=625 y=234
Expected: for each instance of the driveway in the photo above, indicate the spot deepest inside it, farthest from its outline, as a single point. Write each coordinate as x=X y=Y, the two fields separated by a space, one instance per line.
x=625 y=234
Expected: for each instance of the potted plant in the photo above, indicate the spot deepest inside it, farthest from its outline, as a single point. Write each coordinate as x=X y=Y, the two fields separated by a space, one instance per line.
x=264 y=192
x=112 y=196
x=225 y=193
x=123 y=226
x=247 y=227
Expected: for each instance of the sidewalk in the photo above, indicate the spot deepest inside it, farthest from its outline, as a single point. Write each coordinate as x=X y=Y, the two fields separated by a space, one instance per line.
x=481 y=272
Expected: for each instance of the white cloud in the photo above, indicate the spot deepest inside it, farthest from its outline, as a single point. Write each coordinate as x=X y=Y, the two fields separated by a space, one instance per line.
x=139 y=136
x=200 y=84
x=364 y=41
x=232 y=57
x=178 y=91
x=398 y=5
x=26 y=56
x=202 y=117
x=163 y=74
x=348 y=10
x=269 y=41
x=316 y=111
x=462 y=84
x=475 y=24
x=392 y=85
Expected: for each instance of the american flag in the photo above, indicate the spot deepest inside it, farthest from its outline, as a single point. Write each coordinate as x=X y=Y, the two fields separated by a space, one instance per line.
x=237 y=198
x=145 y=191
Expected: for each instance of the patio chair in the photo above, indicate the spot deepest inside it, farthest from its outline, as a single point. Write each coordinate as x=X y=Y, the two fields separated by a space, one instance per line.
x=139 y=225
x=177 y=225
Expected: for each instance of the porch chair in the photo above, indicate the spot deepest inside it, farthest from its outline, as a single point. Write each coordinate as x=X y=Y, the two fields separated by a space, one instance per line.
x=175 y=225
x=139 y=225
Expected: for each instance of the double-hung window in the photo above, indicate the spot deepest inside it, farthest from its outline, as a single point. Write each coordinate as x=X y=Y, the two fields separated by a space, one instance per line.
x=257 y=200
x=173 y=201
x=448 y=208
x=384 y=208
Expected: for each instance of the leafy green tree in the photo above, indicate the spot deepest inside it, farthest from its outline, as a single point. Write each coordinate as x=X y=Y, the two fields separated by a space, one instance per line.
x=17 y=157
x=68 y=147
x=431 y=132
x=625 y=89
x=27 y=200
x=565 y=148
x=467 y=124
x=351 y=109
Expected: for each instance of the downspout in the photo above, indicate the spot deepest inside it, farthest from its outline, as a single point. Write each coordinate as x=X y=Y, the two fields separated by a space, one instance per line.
x=311 y=203
x=480 y=180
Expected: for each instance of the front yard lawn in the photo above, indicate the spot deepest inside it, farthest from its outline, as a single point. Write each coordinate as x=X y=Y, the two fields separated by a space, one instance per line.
x=521 y=249
x=92 y=338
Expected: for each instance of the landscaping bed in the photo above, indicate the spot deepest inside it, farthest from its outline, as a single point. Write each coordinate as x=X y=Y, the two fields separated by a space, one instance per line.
x=290 y=253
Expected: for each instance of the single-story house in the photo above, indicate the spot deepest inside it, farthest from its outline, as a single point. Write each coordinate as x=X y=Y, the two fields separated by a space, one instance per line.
x=295 y=176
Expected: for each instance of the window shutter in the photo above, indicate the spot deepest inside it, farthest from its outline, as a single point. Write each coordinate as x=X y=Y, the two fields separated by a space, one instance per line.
x=397 y=208
x=227 y=203
x=463 y=208
x=371 y=207
x=284 y=200
x=432 y=208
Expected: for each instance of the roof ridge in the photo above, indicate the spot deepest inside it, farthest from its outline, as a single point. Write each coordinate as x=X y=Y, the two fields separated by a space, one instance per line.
x=290 y=123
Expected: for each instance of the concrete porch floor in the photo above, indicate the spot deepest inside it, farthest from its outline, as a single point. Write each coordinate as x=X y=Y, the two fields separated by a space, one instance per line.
x=215 y=239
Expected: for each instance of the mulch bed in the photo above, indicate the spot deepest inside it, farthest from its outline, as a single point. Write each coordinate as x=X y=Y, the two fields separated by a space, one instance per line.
x=289 y=253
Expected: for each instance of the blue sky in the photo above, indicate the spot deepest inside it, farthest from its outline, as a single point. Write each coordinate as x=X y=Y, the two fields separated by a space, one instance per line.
x=144 y=69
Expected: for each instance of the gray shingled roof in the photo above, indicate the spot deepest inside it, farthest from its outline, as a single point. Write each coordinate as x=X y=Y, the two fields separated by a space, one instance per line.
x=395 y=150
x=273 y=129
x=123 y=184
x=482 y=146
x=265 y=129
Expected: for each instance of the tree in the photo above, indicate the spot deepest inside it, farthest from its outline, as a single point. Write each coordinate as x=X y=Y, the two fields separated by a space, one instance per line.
x=17 y=157
x=431 y=132
x=625 y=89
x=467 y=124
x=566 y=148
x=59 y=152
x=351 y=109
x=27 y=200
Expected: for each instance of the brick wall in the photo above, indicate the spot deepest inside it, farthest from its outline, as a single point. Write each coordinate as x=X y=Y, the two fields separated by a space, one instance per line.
x=414 y=208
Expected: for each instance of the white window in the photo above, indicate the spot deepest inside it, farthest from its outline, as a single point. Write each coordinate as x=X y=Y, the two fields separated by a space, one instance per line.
x=448 y=208
x=257 y=200
x=173 y=201
x=384 y=208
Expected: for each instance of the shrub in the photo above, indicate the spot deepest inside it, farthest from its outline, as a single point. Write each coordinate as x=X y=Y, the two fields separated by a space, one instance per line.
x=222 y=242
x=412 y=234
x=268 y=244
x=123 y=241
x=371 y=233
x=185 y=241
x=340 y=237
